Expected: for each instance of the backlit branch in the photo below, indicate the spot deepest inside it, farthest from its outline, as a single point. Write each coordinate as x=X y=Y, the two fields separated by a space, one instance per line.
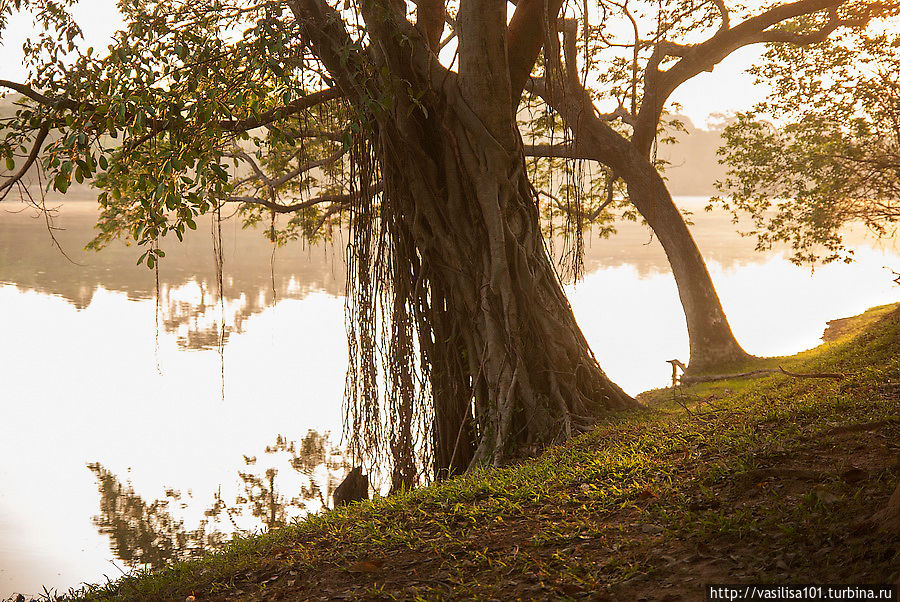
x=525 y=38
x=323 y=25
x=6 y=186
x=814 y=37
x=724 y=13
x=696 y=58
x=160 y=125
x=430 y=18
x=556 y=151
x=284 y=178
x=291 y=108
x=339 y=199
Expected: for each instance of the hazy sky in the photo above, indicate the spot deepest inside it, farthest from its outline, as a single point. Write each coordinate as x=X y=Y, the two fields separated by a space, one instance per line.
x=727 y=89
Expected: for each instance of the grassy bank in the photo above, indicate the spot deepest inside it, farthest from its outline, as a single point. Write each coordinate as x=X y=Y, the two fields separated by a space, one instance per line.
x=772 y=479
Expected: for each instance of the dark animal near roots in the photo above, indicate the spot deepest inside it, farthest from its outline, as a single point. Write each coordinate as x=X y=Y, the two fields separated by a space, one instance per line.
x=354 y=488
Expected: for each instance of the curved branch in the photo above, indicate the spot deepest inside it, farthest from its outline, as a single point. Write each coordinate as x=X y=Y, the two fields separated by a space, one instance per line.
x=29 y=92
x=32 y=157
x=696 y=58
x=291 y=108
x=334 y=136
x=814 y=37
x=556 y=151
x=160 y=125
x=305 y=167
x=279 y=208
x=724 y=13
x=287 y=176
x=690 y=380
x=430 y=18
x=323 y=25
x=525 y=38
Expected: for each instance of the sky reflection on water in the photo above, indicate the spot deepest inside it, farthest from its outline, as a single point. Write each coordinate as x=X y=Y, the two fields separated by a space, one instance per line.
x=87 y=377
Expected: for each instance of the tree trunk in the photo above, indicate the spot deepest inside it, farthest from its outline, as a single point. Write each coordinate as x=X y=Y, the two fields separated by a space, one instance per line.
x=465 y=200
x=711 y=341
x=453 y=434
x=500 y=352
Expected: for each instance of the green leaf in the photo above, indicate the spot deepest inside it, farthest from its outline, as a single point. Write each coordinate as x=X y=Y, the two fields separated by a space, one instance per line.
x=223 y=175
x=61 y=182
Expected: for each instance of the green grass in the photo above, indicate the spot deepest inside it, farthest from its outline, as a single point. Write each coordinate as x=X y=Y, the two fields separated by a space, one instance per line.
x=659 y=500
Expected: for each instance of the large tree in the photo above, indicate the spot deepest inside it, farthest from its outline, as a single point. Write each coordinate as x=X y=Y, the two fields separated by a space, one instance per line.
x=456 y=313
x=637 y=66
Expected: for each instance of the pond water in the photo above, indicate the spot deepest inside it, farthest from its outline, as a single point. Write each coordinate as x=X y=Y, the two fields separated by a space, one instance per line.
x=128 y=436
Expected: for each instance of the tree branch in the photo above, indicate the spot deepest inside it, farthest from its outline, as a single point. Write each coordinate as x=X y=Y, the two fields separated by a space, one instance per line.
x=291 y=108
x=27 y=91
x=696 y=58
x=525 y=38
x=160 y=125
x=29 y=161
x=814 y=37
x=279 y=208
x=556 y=151
x=324 y=27
x=708 y=379
x=334 y=136
x=290 y=175
x=724 y=13
x=430 y=18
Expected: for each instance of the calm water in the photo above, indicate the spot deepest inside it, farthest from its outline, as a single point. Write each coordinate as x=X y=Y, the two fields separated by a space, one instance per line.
x=119 y=449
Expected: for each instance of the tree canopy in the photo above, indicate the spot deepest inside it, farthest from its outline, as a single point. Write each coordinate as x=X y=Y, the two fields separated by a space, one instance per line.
x=823 y=151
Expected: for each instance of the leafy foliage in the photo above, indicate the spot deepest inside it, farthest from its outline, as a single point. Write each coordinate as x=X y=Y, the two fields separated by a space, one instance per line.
x=832 y=156
x=163 y=121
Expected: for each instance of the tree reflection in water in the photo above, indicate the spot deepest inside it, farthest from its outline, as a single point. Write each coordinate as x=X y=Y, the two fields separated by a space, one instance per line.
x=150 y=534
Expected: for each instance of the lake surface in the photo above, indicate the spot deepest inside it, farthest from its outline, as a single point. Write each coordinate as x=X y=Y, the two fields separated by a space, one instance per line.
x=128 y=436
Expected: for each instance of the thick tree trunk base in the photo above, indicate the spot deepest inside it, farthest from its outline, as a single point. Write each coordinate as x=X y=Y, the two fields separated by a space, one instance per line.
x=511 y=355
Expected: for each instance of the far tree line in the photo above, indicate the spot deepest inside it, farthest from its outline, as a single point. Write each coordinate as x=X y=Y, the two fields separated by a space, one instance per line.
x=446 y=138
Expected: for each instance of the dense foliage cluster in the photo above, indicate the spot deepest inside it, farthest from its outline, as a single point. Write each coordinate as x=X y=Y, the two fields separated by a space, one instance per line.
x=823 y=151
